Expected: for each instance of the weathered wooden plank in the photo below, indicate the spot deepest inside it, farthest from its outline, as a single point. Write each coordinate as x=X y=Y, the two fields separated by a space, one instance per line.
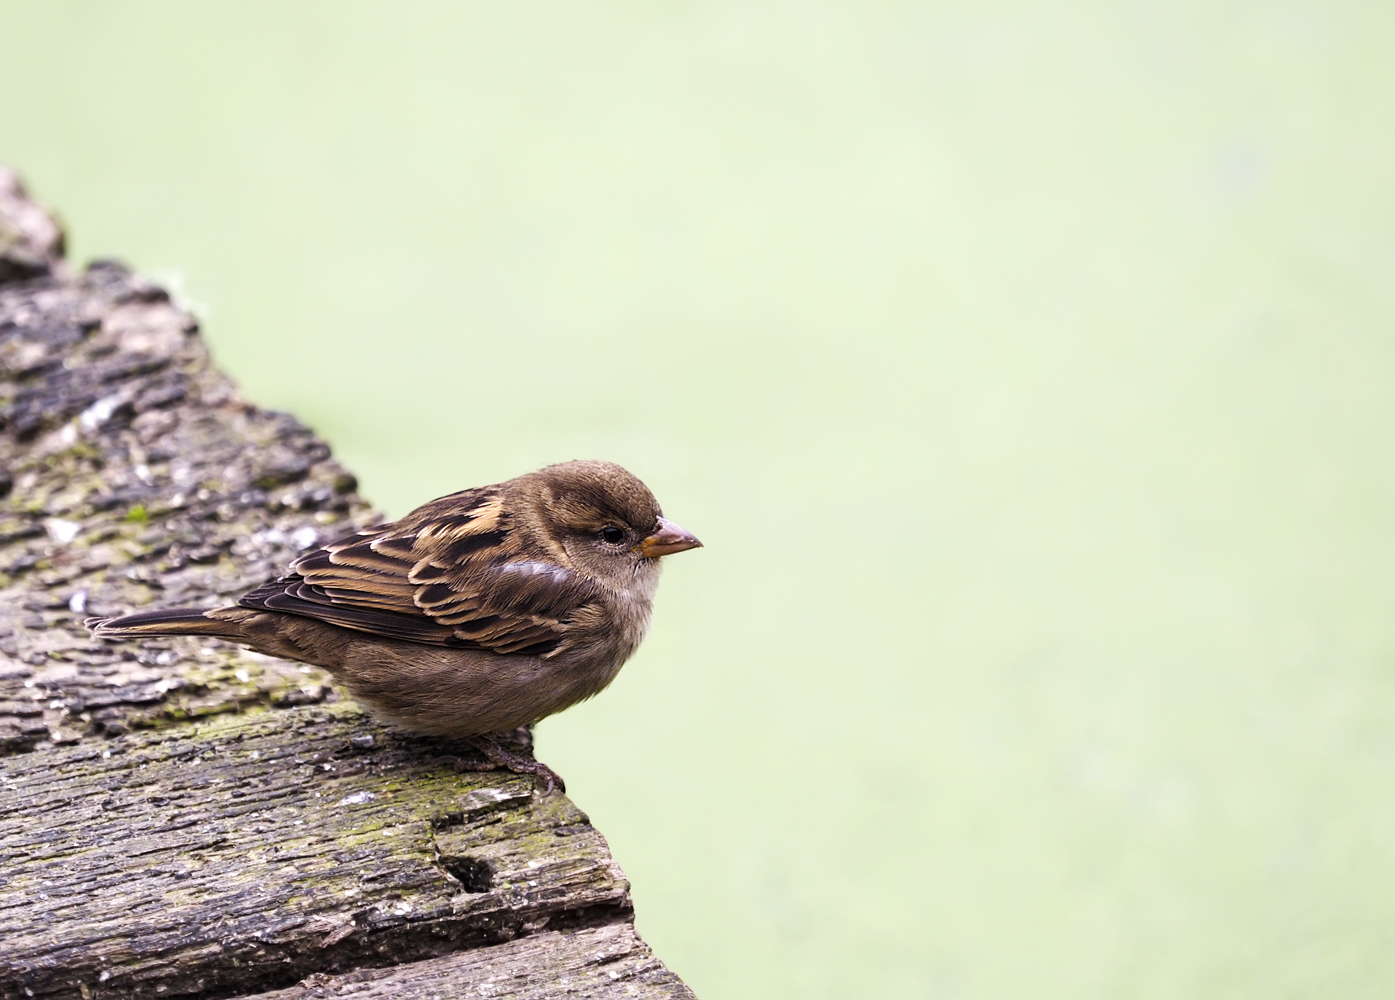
x=180 y=817
x=249 y=851
x=601 y=962
x=31 y=240
x=135 y=473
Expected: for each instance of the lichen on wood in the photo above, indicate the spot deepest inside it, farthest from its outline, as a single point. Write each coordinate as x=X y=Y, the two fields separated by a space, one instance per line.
x=283 y=844
x=185 y=818
x=134 y=473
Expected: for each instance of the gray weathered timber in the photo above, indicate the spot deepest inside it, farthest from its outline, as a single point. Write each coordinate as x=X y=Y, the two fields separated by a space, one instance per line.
x=601 y=962
x=31 y=240
x=135 y=474
x=250 y=851
x=184 y=818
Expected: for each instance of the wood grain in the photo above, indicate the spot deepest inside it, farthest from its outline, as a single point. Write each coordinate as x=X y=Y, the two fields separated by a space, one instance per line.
x=251 y=851
x=602 y=962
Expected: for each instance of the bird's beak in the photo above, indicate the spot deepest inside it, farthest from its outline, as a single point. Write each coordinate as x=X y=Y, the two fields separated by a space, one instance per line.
x=667 y=540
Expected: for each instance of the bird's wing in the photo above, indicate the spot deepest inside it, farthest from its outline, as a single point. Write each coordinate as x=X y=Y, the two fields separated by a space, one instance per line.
x=451 y=573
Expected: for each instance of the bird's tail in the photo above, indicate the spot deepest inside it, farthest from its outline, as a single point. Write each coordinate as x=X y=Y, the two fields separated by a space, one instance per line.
x=171 y=621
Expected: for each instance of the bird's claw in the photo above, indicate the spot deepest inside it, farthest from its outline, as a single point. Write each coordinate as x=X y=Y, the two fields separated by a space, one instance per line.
x=498 y=757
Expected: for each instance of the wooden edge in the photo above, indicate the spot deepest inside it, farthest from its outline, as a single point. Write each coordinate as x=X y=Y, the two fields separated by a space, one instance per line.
x=601 y=962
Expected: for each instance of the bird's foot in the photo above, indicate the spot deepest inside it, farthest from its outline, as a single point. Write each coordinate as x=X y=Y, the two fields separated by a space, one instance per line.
x=497 y=756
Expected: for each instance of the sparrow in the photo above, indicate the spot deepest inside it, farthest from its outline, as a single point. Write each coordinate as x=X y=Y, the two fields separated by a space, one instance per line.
x=474 y=615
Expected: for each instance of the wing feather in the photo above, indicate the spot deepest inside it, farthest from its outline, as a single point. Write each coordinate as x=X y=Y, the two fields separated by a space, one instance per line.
x=451 y=573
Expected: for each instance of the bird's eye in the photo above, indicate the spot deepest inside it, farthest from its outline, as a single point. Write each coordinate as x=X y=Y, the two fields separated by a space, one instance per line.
x=612 y=534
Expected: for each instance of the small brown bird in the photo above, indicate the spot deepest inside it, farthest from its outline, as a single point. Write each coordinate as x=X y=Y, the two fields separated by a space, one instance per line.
x=475 y=614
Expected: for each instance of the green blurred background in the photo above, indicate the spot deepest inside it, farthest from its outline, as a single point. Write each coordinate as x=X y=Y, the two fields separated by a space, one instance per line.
x=1027 y=369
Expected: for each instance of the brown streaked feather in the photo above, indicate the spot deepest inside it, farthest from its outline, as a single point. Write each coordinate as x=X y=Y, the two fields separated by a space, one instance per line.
x=451 y=573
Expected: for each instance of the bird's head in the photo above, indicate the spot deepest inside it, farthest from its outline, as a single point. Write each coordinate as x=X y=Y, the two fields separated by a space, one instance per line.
x=604 y=519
